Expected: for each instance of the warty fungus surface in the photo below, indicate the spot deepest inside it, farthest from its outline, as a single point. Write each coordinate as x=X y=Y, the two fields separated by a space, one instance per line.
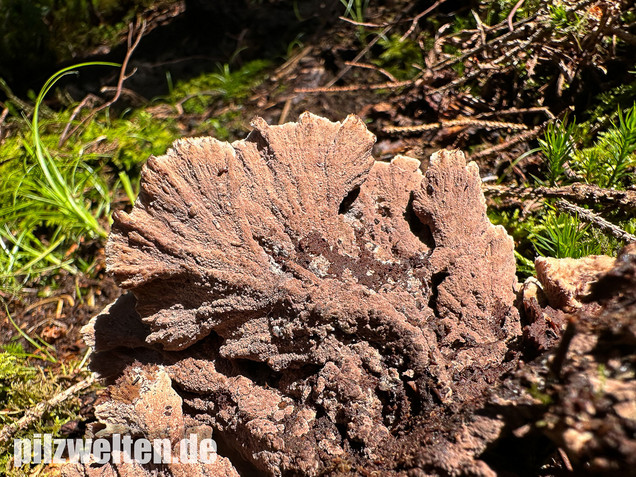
x=307 y=303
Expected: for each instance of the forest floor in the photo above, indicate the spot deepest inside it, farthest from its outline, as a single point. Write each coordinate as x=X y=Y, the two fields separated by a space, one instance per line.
x=541 y=96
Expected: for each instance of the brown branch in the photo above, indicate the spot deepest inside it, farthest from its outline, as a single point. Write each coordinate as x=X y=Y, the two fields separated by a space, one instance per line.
x=134 y=96
x=536 y=109
x=469 y=122
x=586 y=194
x=519 y=138
x=3 y=116
x=362 y=24
x=289 y=65
x=354 y=87
x=122 y=77
x=512 y=14
x=480 y=27
x=285 y=112
x=418 y=17
x=507 y=196
x=370 y=45
x=391 y=78
x=589 y=216
x=566 y=460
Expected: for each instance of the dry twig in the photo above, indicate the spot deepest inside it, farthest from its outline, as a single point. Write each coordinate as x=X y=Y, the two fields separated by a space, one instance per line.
x=36 y=412
x=468 y=122
x=591 y=217
x=88 y=101
x=133 y=95
x=565 y=459
x=418 y=17
x=513 y=35
x=480 y=27
x=122 y=77
x=391 y=78
x=359 y=55
x=53 y=299
x=587 y=194
x=512 y=13
x=537 y=109
x=490 y=66
x=3 y=116
x=362 y=24
x=519 y=138
x=291 y=63
x=354 y=87
x=285 y=112
x=370 y=45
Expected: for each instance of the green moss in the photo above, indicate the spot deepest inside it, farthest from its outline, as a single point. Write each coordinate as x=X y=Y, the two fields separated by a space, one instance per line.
x=539 y=394
x=125 y=143
x=225 y=127
x=399 y=56
x=23 y=385
x=197 y=94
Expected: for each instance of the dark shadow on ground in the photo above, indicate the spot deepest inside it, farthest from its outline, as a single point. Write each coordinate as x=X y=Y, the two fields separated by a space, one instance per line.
x=207 y=34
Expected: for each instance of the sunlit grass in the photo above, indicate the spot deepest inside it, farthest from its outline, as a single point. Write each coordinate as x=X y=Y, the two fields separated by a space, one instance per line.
x=46 y=202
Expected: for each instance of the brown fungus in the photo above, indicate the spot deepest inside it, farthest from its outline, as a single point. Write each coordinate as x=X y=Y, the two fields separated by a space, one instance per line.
x=306 y=302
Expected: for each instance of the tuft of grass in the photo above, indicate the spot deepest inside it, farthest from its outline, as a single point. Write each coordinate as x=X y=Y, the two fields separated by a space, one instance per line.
x=558 y=148
x=54 y=197
x=23 y=255
x=46 y=202
x=565 y=21
x=59 y=196
x=608 y=162
x=616 y=150
x=561 y=235
x=356 y=9
x=227 y=85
